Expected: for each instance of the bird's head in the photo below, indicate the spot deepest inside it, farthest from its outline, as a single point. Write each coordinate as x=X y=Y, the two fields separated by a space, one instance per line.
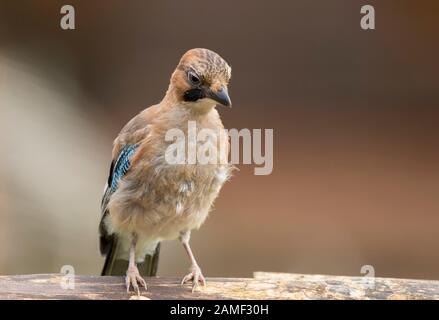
x=200 y=80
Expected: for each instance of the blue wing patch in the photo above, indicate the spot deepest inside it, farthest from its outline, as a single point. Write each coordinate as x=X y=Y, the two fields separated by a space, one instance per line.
x=122 y=164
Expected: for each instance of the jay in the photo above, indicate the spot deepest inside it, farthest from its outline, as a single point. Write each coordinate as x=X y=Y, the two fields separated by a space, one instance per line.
x=147 y=199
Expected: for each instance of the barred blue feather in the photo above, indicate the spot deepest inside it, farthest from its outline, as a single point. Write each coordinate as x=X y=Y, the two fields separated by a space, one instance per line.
x=122 y=164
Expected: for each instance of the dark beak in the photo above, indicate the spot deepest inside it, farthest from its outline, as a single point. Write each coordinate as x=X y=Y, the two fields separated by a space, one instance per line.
x=221 y=96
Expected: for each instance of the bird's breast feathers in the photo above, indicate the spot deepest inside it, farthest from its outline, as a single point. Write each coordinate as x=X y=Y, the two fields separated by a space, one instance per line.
x=158 y=200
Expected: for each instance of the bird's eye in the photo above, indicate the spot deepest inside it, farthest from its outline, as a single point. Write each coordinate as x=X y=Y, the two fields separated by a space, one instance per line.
x=194 y=78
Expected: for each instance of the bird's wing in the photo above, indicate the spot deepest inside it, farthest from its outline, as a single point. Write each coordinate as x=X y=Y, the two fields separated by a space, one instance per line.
x=125 y=147
x=118 y=169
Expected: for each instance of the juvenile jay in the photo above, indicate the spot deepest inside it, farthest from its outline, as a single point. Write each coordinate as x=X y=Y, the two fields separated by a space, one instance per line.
x=147 y=199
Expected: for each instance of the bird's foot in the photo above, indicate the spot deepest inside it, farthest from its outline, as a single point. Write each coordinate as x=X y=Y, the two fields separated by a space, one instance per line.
x=132 y=278
x=195 y=276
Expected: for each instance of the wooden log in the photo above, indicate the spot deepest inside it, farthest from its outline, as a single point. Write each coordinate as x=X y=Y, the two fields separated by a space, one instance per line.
x=262 y=286
x=301 y=286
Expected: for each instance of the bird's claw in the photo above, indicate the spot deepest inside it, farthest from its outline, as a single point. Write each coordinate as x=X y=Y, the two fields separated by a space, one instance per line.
x=132 y=278
x=195 y=276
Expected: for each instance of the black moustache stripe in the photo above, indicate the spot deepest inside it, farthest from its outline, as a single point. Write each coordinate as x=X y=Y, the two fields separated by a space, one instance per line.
x=193 y=95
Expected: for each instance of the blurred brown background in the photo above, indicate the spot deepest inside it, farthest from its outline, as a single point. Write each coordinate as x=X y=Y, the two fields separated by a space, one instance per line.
x=355 y=117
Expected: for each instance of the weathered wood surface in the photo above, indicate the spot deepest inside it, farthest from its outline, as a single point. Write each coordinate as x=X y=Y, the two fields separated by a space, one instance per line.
x=262 y=286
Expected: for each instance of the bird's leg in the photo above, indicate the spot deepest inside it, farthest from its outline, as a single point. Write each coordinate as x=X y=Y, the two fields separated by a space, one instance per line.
x=195 y=272
x=133 y=276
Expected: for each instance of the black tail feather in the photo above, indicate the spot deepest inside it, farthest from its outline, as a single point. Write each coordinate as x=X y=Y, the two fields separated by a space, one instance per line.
x=118 y=267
